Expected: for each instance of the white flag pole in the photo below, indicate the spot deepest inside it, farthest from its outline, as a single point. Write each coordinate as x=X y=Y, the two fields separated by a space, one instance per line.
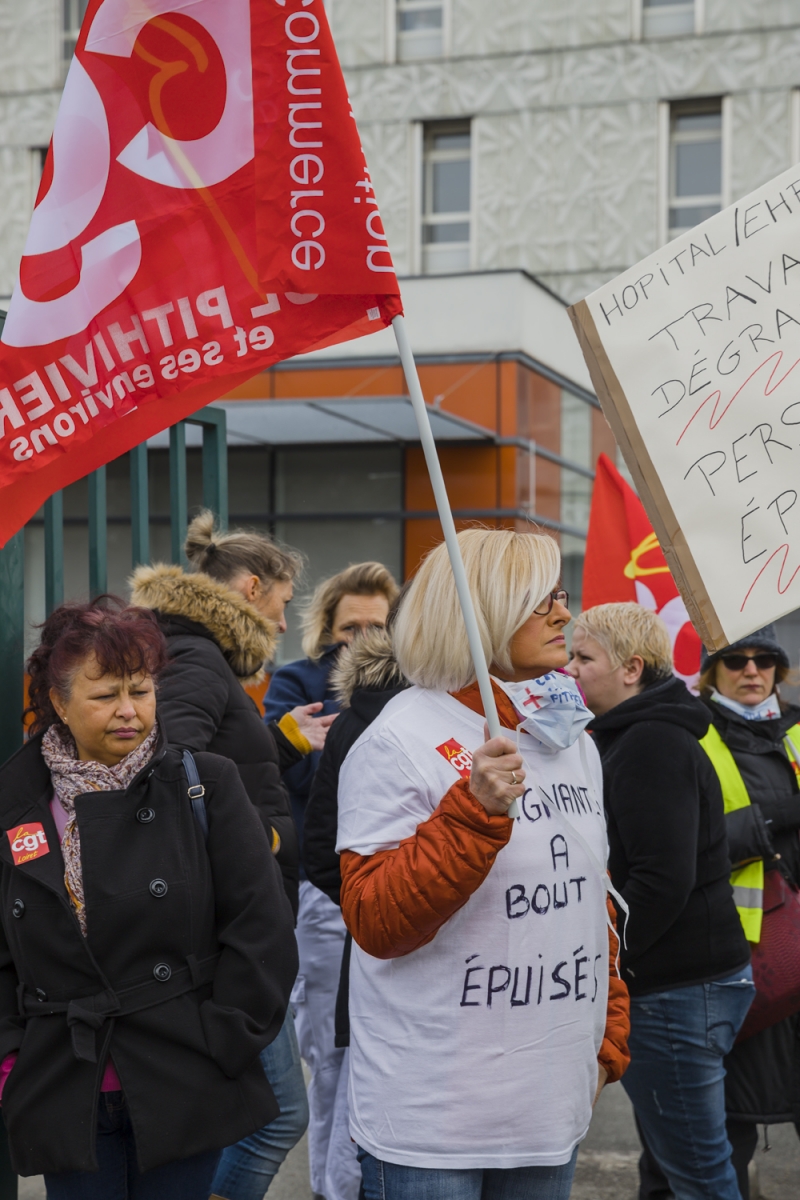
x=449 y=529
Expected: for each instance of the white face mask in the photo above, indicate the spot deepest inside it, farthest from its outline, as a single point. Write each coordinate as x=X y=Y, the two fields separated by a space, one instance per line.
x=767 y=710
x=551 y=709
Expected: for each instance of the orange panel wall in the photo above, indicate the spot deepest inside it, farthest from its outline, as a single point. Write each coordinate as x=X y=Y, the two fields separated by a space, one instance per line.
x=470 y=474
x=318 y=383
x=505 y=397
x=468 y=390
x=539 y=418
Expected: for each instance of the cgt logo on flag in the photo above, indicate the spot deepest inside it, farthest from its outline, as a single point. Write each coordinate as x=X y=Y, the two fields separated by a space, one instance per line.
x=205 y=211
x=458 y=756
x=27 y=842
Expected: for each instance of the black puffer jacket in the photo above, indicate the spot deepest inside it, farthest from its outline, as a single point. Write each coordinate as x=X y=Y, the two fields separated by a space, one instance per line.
x=182 y=984
x=762 y=1083
x=667 y=849
x=218 y=642
x=365 y=679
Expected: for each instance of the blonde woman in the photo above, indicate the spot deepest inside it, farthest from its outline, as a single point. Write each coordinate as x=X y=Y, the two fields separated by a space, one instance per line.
x=685 y=959
x=483 y=1020
x=356 y=599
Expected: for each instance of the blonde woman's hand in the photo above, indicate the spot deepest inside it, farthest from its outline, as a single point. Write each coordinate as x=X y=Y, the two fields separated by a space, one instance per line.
x=497 y=777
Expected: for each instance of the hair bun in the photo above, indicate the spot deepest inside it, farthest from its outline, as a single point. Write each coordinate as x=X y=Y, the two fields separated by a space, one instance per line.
x=226 y=555
x=200 y=538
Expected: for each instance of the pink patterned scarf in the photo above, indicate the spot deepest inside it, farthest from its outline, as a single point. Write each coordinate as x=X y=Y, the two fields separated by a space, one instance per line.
x=72 y=778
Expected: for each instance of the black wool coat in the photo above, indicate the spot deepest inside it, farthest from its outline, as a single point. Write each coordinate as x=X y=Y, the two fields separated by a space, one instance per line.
x=217 y=641
x=183 y=978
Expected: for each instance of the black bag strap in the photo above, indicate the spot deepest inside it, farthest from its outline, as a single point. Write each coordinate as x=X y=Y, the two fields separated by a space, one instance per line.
x=196 y=792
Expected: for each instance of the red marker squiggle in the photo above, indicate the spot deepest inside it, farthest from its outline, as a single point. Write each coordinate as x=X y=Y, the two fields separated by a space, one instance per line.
x=781 y=587
x=769 y=388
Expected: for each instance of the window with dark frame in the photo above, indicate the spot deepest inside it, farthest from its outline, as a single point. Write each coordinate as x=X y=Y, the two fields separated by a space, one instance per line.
x=420 y=29
x=446 y=196
x=667 y=18
x=695 y=163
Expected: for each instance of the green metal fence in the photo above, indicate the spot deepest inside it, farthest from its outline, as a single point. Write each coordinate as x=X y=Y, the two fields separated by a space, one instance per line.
x=12 y=557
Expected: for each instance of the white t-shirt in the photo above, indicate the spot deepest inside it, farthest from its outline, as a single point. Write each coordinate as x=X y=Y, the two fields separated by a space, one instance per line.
x=479 y=1050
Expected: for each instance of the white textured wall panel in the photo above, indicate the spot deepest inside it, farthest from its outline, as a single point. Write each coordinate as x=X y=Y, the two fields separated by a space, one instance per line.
x=359 y=29
x=29 y=45
x=749 y=14
x=760 y=139
x=565 y=119
x=500 y=26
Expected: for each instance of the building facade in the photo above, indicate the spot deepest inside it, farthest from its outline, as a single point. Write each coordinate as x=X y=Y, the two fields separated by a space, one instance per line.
x=523 y=152
x=586 y=134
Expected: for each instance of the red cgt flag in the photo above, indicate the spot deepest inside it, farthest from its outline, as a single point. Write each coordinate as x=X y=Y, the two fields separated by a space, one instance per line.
x=205 y=211
x=624 y=562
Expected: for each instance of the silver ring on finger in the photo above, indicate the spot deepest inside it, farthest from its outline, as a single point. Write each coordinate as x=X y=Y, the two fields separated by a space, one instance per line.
x=514 y=779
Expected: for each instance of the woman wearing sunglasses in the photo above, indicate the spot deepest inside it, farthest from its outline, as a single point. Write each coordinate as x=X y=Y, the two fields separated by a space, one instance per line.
x=740 y=686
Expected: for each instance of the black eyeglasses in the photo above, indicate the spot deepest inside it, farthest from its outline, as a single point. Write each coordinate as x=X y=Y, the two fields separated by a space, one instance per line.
x=738 y=662
x=546 y=607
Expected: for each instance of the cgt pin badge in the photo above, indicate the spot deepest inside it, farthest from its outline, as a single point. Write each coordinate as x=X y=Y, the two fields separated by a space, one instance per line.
x=458 y=756
x=27 y=842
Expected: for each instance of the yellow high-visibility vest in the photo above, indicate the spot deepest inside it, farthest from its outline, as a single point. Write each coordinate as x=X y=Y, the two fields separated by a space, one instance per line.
x=747 y=881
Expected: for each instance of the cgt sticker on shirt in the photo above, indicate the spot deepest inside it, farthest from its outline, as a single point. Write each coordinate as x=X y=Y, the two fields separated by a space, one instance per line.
x=458 y=756
x=28 y=842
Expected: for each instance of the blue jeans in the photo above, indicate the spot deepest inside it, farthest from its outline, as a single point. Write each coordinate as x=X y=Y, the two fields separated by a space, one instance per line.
x=247 y=1169
x=676 y=1080
x=119 y=1177
x=388 y=1181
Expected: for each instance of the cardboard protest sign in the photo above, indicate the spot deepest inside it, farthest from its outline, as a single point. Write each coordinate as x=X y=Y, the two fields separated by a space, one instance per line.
x=693 y=355
x=205 y=211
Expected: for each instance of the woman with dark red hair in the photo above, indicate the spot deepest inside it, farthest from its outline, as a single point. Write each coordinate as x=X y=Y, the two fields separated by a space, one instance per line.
x=146 y=943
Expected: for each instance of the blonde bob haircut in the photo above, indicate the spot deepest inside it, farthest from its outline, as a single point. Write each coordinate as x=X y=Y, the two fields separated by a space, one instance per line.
x=626 y=629
x=359 y=579
x=509 y=575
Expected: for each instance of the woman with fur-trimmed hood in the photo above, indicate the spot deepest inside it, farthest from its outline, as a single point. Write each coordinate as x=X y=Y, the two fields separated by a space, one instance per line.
x=221 y=622
x=218 y=643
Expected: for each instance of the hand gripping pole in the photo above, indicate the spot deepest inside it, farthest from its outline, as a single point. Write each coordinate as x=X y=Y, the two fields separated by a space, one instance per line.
x=449 y=530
